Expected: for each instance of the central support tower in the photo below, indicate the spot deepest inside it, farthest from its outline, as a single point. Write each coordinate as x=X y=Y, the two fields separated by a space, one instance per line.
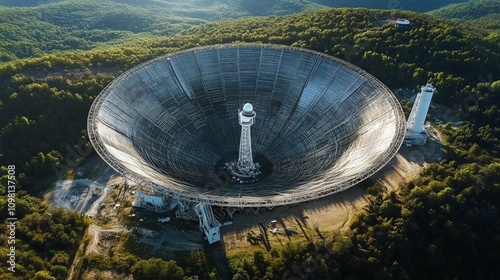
x=245 y=170
x=246 y=118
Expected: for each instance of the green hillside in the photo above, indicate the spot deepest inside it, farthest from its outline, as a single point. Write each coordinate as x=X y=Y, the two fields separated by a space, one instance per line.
x=46 y=26
x=444 y=224
x=483 y=14
x=470 y=10
x=264 y=6
x=69 y=25
x=34 y=27
x=411 y=5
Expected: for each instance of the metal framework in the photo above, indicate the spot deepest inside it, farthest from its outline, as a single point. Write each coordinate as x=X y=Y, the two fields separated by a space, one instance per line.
x=246 y=118
x=207 y=222
x=326 y=124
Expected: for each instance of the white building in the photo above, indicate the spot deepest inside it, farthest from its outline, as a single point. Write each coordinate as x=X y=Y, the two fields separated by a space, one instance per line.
x=416 y=134
x=151 y=202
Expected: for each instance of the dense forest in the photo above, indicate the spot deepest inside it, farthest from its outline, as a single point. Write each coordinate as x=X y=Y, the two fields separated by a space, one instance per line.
x=484 y=14
x=411 y=5
x=256 y=6
x=78 y=24
x=444 y=224
x=45 y=240
x=33 y=27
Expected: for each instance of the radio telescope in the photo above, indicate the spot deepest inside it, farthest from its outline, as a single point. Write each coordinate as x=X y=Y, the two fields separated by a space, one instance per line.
x=319 y=125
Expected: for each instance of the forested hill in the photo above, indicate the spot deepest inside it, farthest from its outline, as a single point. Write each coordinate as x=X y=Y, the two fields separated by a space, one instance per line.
x=445 y=224
x=363 y=37
x=264 y=6
x=46 y=26
x=480 y=14
x=36 y=27
x=79 y=24
x=411 y=5
x=470 y=10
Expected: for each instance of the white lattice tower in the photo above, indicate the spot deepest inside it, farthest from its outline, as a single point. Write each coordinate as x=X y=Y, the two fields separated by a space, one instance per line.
x=246 y=119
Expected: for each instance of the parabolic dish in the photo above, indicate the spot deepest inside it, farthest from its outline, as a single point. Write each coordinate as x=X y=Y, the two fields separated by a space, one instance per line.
x=322 y=124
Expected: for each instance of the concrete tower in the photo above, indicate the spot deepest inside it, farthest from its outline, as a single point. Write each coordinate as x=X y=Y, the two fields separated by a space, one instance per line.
x=420 y=108
x=415 y=132
x=246 y=118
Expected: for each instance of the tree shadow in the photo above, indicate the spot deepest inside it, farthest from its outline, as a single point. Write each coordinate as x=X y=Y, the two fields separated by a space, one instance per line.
x=316 y=228
x=301 y=226
x=265 y=237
